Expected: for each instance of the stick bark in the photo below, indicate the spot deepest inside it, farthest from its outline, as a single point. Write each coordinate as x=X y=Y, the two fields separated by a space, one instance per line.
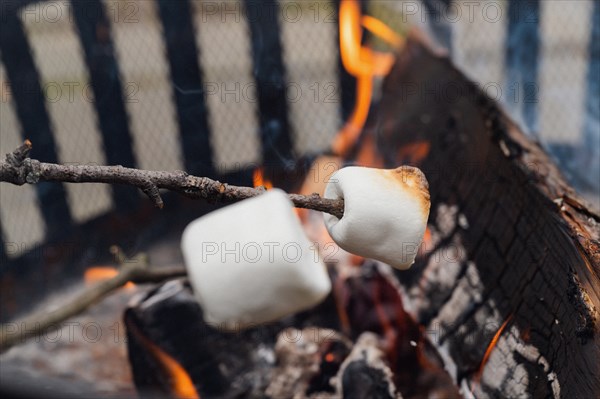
x=19 y=169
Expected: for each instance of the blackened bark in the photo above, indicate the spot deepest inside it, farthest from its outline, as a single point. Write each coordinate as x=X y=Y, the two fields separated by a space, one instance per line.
x=513 y=253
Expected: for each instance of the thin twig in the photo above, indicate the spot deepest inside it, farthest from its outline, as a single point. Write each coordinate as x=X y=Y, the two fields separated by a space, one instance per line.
x=19 y=169
x=135 y=270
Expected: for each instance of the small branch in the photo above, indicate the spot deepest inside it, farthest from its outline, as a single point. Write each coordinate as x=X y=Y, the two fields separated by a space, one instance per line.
x=135 y=270
x=19 y=169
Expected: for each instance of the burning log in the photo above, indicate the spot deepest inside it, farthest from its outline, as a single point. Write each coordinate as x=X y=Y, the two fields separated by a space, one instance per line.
x=365 y=373
x=307 y=360
x=300 y=356
x=508 y=282
x=370 y=301
x=219 y=364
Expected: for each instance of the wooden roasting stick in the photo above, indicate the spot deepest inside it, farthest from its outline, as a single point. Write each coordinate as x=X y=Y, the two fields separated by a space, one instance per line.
x=19 y=169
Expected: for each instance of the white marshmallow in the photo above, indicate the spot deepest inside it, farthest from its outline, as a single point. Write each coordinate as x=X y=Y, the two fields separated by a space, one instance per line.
x=385 y=212
x=250 y=263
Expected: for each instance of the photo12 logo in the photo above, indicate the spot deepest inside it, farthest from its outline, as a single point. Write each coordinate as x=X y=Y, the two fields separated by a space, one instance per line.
x=53 y=12
x=265 y=252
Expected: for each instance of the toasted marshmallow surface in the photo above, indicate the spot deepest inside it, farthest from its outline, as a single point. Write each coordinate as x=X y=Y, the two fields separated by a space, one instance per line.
x=251 y=263
x=385 y=212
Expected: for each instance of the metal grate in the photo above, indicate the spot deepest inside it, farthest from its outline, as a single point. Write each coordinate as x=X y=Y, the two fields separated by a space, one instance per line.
x=223 y=37
x=146 y=84
x=21 y=220
x=179 y=94
x=314 y=90
x=69 y=100
x=540 y=60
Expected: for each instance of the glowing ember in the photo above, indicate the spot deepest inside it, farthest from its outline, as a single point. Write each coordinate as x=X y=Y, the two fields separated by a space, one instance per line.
x=341 y=296
x=180 y=381
x=526 y=334
x=427 y=237
x=259 y=179
x=101 y=273
x=415 y=152
x=356 y=260
x=427 y=243
x=491 y=347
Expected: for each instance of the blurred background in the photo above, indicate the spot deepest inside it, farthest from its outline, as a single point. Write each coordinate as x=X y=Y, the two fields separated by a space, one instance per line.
x=218 y=88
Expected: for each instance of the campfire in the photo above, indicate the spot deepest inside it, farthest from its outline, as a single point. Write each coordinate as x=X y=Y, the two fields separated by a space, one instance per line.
x=498 y=295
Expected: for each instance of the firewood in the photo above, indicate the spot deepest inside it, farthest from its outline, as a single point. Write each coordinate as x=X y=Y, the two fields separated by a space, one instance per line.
x=365 y=373
x=219 y=364
x=514 y=277
x=371 y=300
x=304 y=360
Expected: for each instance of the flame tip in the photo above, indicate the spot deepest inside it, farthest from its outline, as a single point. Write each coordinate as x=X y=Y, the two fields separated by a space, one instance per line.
x=259 y=179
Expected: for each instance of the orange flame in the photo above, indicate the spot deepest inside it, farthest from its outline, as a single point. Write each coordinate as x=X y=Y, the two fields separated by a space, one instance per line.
x=383 y=31
x=491 y=347
x=259 y=179
x=427 y=243
x=415 y=152
x=341 y=295
x=181 y=383
x=427 y=237
x=101 y=273
x=368 y=154
x=362 y=63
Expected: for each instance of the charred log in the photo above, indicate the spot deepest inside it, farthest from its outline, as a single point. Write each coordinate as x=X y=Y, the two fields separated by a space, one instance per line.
x=224 y=365
x=365 y=374
x=307 y=360
x=508 y=280
x=295 y=357
x=370 y=298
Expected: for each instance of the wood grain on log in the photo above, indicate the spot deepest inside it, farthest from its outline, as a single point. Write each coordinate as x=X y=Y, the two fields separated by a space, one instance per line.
x=508 y=284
